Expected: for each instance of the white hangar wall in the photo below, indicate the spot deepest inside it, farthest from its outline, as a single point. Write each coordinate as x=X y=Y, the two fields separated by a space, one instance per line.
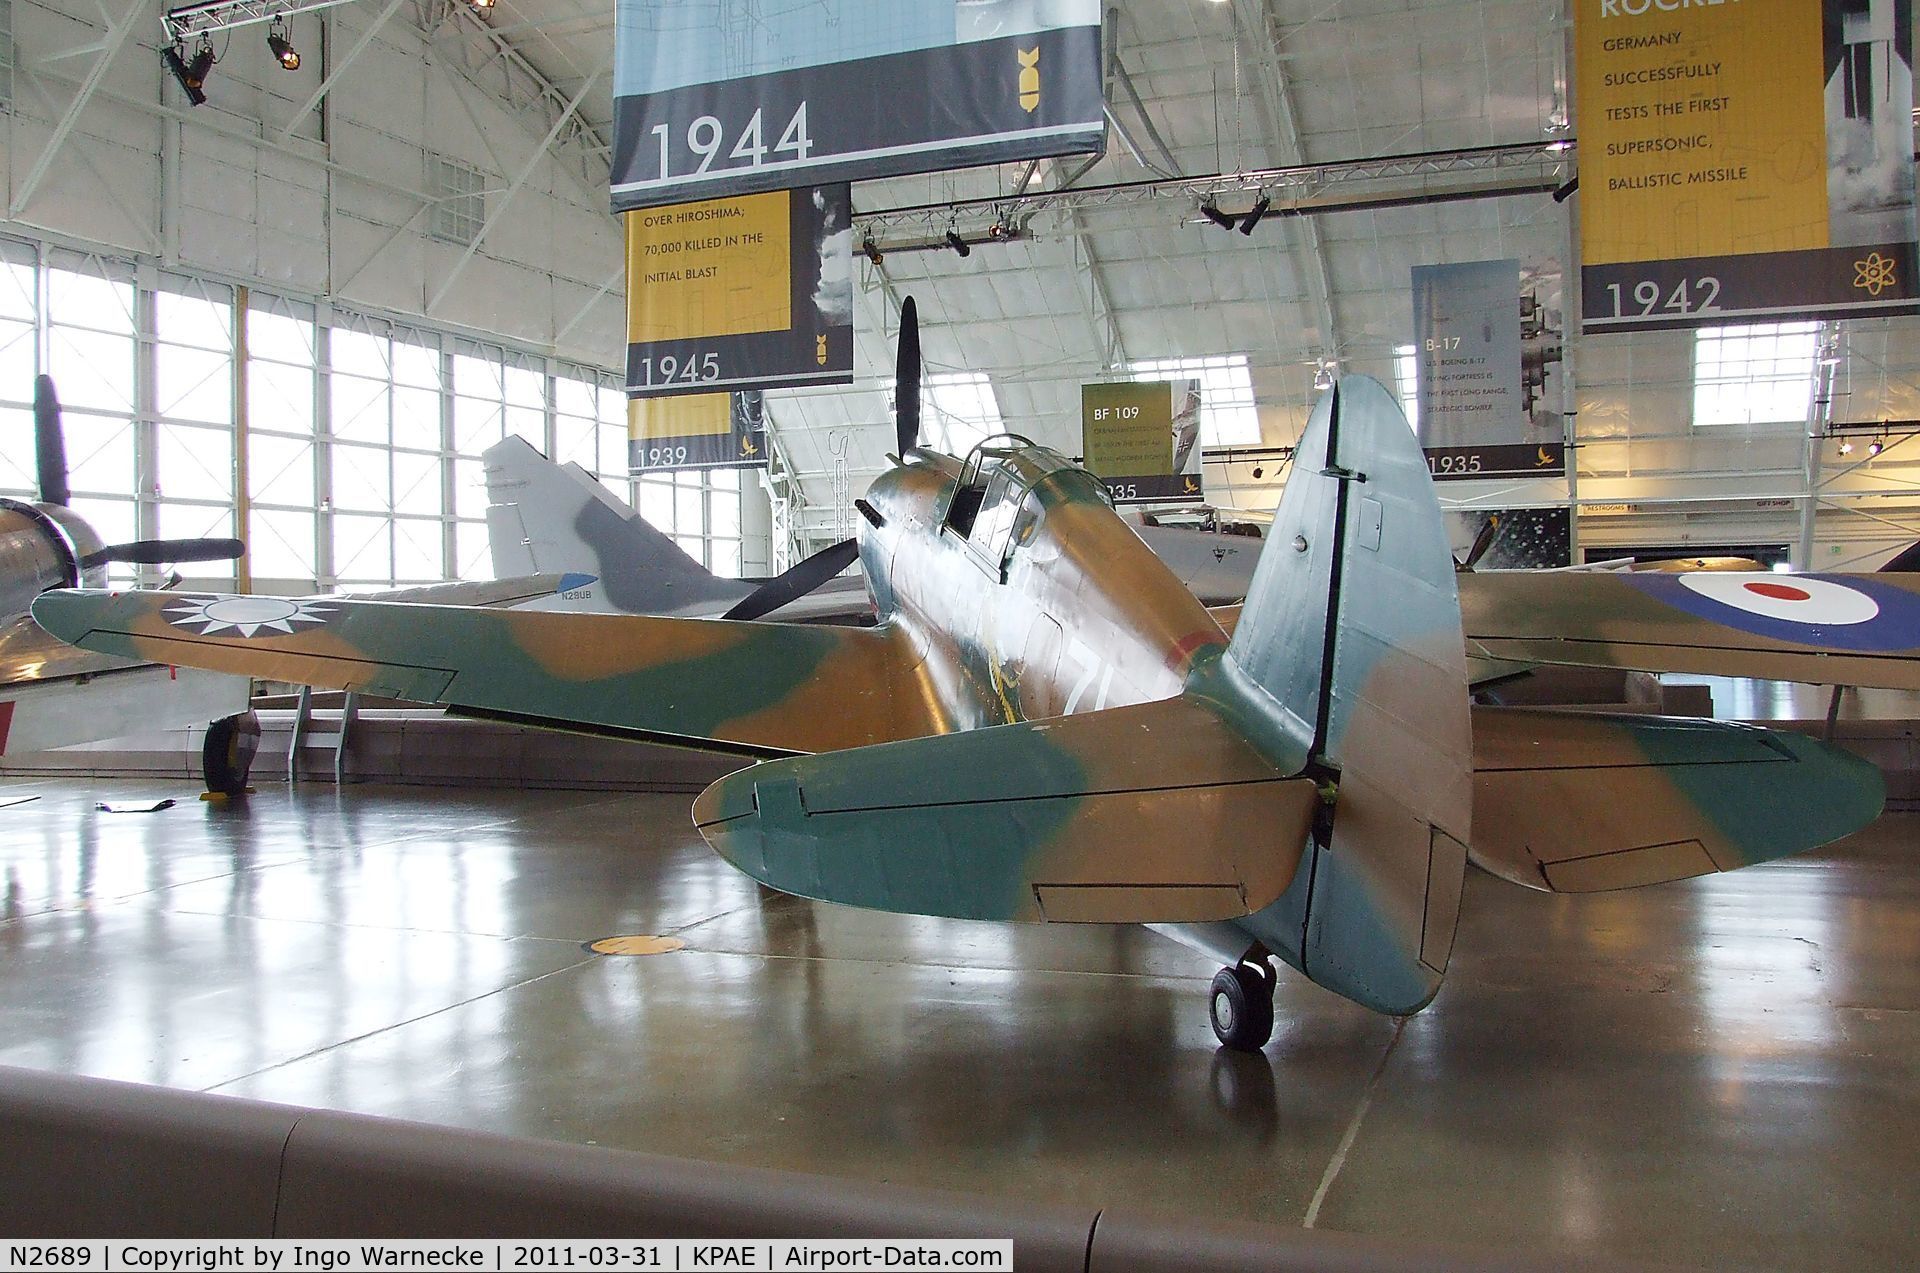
x=338 y=204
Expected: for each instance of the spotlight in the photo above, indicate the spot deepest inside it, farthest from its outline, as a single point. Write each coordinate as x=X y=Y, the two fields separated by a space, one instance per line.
x=1254 y=214
x=281 y=47
x=1258 y=472
x=480 y=6
x=873 y=251
x=1323 y=375
x=1876 y=446
x=1213 y=214
x=1565 y=192
x=191 y=75
x=1846 y=448
x=999 y=230
x=958 y=244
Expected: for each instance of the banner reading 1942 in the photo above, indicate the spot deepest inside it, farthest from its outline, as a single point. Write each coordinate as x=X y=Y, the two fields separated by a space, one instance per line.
x=1142 y=438
x=747 y=293
x=1742 y=159
x=731 y=96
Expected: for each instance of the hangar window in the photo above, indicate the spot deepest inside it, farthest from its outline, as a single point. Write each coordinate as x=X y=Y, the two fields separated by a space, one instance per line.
x=460 y=206
x=700 y=508
x=1227 y=413
x=962 y=411
x=1406 y=380
x=1760 y=373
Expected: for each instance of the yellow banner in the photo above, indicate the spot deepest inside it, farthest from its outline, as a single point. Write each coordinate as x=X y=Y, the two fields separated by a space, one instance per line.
x=1702 y=128
x=688 y=416
x=722 y=267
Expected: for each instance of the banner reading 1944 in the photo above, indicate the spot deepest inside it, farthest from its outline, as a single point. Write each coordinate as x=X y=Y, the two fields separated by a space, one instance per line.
x=1742 y=159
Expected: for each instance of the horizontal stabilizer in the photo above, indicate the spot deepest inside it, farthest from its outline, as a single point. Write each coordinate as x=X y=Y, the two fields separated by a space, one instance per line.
x=1578 y=802
x=1821 y=629
x=1157 y=813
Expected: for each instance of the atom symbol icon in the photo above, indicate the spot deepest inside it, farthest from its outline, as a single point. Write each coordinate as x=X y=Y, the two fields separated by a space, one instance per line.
x=1875 y=274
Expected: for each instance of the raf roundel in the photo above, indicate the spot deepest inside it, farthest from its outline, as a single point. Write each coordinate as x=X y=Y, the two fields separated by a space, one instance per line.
x=247 y=616
x=1840 y=612
x=1797 y=599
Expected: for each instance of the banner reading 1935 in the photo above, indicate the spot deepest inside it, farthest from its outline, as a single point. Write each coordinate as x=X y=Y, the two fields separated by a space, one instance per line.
x=732 y=96
x=1142 y=438
x=747 y=293
x=1743 y=159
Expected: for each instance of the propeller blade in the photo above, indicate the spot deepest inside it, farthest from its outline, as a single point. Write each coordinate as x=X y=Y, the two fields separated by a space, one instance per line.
x=797 y=582
x=159 y=552
x=906 y=380
x=1482 y=540
x=49 y=443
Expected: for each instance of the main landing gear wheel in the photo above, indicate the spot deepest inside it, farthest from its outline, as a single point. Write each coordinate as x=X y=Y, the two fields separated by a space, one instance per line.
x=1241 y=1006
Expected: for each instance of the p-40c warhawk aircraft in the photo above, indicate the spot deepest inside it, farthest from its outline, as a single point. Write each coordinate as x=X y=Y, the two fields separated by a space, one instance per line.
x=1046 y=726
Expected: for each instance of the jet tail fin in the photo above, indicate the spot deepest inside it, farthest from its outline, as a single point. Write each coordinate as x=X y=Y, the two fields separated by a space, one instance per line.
x=1348 y=665
x=547 y=518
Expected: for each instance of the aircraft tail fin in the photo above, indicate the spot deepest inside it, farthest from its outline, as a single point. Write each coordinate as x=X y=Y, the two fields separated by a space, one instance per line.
x=547 y=518
x=1348 y=665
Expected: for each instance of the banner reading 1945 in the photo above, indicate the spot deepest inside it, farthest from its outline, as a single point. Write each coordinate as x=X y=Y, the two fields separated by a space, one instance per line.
x=1743 y=159
x=733 y=96
x=747 y=293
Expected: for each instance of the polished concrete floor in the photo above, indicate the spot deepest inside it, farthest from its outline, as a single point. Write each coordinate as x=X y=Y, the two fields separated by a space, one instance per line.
x=1722 y=1072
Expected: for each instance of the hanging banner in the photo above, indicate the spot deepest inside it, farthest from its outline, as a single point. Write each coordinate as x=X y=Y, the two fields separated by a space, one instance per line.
x=1742 y=161
x=747 y=293
x=1142 y=438
x=1466 y=328
x=697 y=431
x=734 y=96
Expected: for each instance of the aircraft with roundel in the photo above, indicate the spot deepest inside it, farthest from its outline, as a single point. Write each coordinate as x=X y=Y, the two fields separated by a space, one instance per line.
x=1046 y=726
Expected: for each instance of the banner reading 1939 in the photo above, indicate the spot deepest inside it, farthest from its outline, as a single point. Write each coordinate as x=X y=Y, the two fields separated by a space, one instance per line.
x=697 y=431
x=1744 y=159
x=732 y=96
x=747 y=293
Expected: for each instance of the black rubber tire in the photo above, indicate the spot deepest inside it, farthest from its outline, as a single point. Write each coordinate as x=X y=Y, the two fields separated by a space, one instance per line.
x=1240 y=1006
x=226 y=758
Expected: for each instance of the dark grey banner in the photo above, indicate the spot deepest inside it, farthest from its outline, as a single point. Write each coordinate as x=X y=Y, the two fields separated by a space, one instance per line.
x=1842 y=282
x=987 y=101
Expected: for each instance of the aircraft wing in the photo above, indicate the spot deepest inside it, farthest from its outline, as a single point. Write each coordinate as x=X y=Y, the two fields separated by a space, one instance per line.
x=1155 y=813
x=1577 y=802
x=1821 y=629
x=28 y=654
x=761 y=688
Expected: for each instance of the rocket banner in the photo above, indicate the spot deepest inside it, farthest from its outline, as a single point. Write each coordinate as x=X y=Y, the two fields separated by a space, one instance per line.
x=1742 y=161
x=697 y=431
x=736 y=96
x=747 y=293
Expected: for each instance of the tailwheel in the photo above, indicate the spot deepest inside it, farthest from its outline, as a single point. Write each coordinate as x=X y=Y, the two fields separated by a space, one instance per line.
x=1241 y=1007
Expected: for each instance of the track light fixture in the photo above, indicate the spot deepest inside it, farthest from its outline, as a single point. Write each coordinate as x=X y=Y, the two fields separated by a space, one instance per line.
x=1846 y=448
x=1566 y=192
x=480 y=6
x=958 y=244
x=1211 y=212
x=1876 y=446
x=191 y=75
x=281 y=47
x=872 y=250
x=1254 y=214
